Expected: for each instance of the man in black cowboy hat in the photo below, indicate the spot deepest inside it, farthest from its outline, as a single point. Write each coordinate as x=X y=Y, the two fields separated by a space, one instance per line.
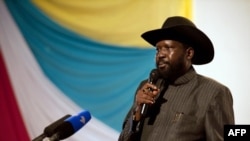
x=176 y=103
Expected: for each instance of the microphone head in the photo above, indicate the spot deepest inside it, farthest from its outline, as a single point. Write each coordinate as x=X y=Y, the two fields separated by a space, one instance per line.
x=72 y=125
x=154 y=75
x=79 y=120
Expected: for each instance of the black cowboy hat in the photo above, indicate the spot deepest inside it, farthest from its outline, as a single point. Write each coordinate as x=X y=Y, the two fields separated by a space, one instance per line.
x=183 y=30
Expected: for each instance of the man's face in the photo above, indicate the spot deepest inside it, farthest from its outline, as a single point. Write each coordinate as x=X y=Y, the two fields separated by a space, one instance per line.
x=171 y=58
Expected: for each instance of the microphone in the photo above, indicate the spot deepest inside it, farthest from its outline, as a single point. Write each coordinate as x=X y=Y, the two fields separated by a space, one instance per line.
x=50 y=129
x=70 y=126
x=153 y=77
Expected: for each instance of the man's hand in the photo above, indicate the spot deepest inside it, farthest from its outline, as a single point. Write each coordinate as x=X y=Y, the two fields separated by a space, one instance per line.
x=146 y=95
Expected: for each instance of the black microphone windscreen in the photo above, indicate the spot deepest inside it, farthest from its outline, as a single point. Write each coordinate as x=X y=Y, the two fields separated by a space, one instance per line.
x=65 y=130
x=71 y=125
x=51 y=129
x=154 y=75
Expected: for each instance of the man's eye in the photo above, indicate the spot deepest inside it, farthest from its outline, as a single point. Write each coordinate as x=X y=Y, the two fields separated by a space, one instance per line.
x=168 y=47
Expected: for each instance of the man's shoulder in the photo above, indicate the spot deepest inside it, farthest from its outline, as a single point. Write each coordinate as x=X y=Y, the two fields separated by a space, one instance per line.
x=210 y=82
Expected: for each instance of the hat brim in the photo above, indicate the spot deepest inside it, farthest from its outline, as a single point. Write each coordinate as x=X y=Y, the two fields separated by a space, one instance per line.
x=203 y=47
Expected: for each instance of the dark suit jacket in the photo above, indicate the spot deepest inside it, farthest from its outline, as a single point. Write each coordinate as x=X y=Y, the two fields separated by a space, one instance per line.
x=193 y=108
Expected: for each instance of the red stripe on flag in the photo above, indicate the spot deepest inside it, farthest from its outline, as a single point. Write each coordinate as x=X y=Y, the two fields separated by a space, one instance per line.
x=12 y=126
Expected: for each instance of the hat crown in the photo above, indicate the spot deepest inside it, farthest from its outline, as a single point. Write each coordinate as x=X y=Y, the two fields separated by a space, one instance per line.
x=183 y=30
x=177 y=21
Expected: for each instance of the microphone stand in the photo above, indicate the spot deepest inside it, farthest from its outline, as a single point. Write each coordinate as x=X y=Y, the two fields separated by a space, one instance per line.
x=40 y=138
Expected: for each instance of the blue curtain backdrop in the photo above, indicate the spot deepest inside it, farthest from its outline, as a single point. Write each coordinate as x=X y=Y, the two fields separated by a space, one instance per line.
x=99 y=77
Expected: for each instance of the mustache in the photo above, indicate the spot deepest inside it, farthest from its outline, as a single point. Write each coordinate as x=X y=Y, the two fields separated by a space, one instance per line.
x=161 y=61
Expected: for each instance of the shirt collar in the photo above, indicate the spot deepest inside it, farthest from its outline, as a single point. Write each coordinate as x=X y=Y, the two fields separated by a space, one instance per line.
x=189 y=75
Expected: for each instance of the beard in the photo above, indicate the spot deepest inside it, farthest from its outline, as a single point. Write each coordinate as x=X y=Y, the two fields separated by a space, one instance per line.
x=171 y=70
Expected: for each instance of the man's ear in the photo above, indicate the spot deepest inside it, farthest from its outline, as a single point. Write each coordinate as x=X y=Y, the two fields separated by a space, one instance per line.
x=190 y=53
